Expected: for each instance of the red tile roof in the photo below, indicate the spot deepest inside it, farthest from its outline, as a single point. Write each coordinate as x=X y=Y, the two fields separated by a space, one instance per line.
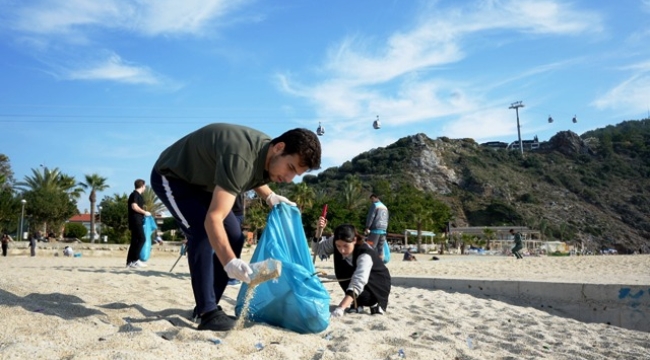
x=80 y=218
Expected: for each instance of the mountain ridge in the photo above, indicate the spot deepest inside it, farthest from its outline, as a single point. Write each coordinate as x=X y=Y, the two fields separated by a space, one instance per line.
x=592 y=189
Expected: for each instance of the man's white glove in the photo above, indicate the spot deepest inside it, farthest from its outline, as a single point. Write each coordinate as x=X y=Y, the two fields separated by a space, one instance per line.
x=238 y=269
x=146 y=213
x=338 y=312
x=274 y=199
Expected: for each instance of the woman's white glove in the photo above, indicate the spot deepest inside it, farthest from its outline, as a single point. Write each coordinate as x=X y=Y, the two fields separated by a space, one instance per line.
x=274 y=199
x=238 y=269
x=338 y=312
x=146 y=213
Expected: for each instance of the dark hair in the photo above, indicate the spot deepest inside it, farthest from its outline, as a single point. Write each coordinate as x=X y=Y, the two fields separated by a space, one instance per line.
x=347 y=233
x=512 y=230
x=138 y=183
x=303 y=142
x=373 y=195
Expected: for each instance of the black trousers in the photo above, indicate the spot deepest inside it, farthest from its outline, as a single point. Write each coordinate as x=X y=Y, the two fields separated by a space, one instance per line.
x=4 y=249
x=137 y=242
x=189 y=205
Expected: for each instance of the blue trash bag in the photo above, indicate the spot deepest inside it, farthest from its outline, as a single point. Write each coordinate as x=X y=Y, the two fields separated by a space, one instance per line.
x=386 y=252
x=297 y=300
x=149 y=228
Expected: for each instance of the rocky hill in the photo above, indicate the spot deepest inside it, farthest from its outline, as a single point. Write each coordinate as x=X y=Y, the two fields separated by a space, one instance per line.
x=593 y=188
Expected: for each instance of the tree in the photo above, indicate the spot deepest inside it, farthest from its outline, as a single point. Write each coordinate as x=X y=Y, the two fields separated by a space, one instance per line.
x=489 y=235
x=256 y=215
x=151 y=202
x=9 y=203
x=95 y=183
x=304 y=196
x=49 y=206
x=115 y=223
x=9 y=210
x=352 y=197
x=6 y=174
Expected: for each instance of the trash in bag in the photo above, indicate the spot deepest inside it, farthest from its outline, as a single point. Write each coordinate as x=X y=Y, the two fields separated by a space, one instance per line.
x=296 y=300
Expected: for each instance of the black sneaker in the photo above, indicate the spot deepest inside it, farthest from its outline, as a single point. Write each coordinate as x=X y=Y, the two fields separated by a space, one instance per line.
x=376 y=310
x=197 y=318
x=354 y=310
x=216 y=320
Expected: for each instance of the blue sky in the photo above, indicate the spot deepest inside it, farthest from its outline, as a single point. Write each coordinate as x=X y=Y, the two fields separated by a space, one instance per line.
x=104 y=86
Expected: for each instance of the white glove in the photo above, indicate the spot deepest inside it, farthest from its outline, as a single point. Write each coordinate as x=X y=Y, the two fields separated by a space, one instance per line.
x=146 y=213
x=238 y=269
x=338 y=312
x=274 y=199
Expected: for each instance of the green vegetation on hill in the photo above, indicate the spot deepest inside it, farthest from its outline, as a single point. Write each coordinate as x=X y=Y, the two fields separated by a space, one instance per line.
x=592 y=189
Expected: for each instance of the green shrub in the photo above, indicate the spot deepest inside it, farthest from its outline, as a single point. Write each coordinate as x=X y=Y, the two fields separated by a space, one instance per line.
x=557 y=253
x=75 y=230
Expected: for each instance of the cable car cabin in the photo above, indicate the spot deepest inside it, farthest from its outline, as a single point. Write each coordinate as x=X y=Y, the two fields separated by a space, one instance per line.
x=550 y=119
x=575 y=119
x=320 y=131
x=376 y=124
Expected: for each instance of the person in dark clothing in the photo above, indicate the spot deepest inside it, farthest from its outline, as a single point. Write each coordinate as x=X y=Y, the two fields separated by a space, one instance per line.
x=361 y=273
x=136 y=222
x=6 y=239
x=518 y=244
x=408 y=256
x=199 y=177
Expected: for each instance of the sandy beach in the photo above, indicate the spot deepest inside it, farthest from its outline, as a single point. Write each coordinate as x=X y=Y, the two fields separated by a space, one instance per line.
x=92 y=307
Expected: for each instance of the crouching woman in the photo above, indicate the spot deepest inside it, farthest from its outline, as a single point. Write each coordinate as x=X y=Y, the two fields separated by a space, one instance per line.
x=361 y=273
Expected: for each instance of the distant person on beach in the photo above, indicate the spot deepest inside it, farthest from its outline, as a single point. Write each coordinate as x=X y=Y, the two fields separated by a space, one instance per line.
x=6 y=239
x=67 y=251
x=136 y=222
x=32 y=245
x=361 y=273
x=199 y=177
x=518 y=244
x=408 y=256
x=376 y=225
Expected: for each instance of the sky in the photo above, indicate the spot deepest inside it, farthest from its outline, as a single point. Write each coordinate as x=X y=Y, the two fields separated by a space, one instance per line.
x=103 y=87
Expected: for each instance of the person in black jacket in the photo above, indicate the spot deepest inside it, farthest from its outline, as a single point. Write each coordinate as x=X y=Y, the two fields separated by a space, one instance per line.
x=361 y=273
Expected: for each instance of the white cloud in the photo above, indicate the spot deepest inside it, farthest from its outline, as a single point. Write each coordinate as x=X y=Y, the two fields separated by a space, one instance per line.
x=630 y=95
x=645 y=5
x=115 y=69
x=483 y=125
x=56 y=27
x=337 y=149
x=357 y=68
x=146 y=17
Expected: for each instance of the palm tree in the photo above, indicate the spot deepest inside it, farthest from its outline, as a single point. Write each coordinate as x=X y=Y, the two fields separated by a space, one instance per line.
x=422 y=217
x=151 y=202
x=489 y=235
x=50 y=181
x=465 y=239
x=95 y=183
x=304 y=196
x=256 y=215
x=351 y=196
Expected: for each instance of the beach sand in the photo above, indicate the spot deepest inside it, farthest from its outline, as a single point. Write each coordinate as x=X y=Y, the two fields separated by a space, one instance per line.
x=92 y=307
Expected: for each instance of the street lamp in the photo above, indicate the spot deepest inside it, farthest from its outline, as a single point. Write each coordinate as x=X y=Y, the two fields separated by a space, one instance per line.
x=22 y=217
x=99 y=226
